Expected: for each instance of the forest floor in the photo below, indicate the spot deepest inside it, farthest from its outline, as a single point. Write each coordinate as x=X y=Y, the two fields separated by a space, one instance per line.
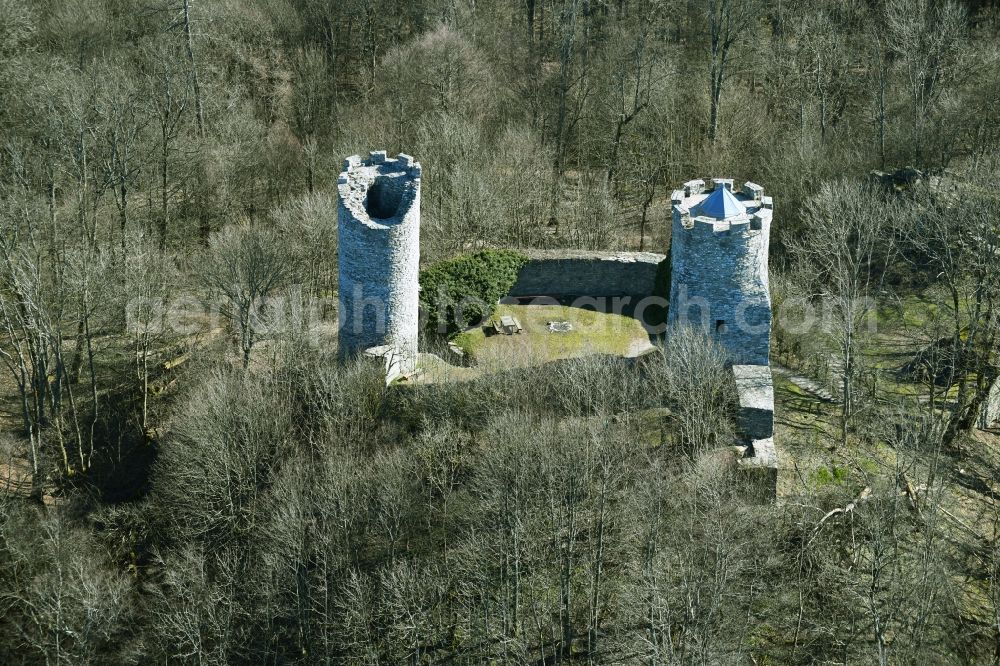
x=15 y=464
x=812 y=459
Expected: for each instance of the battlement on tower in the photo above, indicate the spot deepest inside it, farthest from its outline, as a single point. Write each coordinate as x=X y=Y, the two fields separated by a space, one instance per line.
x=714 y=208
x=379 y=191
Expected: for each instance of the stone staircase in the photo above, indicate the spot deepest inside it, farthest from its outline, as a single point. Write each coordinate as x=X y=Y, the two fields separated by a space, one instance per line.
x=808 y=385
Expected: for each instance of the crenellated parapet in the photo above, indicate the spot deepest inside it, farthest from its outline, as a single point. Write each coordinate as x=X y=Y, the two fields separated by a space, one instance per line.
x=746 y=210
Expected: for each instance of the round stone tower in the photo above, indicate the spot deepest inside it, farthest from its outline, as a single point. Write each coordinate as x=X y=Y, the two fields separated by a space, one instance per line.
x=718 y=257
x=379 y=254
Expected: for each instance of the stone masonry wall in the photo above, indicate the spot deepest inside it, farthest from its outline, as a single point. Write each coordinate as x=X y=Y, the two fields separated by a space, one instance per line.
x=990 y=411
x=379 y=255
x=755 y=391
x=561 y=273
x=755 y=425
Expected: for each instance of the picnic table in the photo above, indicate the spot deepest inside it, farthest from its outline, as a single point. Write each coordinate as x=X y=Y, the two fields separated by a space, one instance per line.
x=507 y=325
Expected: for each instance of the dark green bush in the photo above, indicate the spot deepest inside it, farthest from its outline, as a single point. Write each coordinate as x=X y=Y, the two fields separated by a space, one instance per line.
x=457 y=293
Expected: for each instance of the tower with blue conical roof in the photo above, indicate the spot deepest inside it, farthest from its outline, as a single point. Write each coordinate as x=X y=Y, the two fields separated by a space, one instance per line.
x=718 y=255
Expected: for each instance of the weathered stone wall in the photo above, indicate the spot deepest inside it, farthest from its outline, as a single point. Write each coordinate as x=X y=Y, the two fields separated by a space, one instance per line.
x=561 y=273
x=755 y=390
x=762 y=470
x=379 y=255
x=989 y=413
x=755 y=425
x=719 y=279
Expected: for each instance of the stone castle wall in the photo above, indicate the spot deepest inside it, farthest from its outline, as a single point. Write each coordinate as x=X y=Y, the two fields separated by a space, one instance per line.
x=561 y=273
x=379 y=255
x=755 y=392
x=755 y=425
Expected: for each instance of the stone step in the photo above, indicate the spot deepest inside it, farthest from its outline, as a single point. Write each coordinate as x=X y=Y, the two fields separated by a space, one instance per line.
x=804 y=383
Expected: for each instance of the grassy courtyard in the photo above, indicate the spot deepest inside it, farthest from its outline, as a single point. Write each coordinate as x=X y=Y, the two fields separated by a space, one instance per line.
x=591 y=333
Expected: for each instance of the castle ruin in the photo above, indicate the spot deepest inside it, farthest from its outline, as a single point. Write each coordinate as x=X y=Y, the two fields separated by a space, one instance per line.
x=379 y=258
x=719 y=279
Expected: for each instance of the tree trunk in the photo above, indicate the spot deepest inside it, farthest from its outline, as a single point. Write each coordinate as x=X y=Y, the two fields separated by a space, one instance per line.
x=716 y=93
x=164 y=188
x=189 y=45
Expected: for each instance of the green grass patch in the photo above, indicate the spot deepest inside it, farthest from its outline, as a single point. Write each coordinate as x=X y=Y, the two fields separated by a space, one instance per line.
x=827 y=476
x=869 y=466
x=592 y=333
x=912 y=311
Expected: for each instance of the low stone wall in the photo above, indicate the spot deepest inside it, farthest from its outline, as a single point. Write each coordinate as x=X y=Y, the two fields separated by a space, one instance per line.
x=392 y=360
x=755 y=390
x=755 y=422
x=561 y=273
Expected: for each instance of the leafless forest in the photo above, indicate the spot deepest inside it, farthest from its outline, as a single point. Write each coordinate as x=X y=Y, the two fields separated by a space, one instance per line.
x=184 y=480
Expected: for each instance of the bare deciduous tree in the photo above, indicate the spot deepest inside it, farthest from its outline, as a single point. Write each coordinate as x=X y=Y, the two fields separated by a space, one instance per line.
x=729 y=25
x=927 y=37
x=246 y=266
x=848 y=240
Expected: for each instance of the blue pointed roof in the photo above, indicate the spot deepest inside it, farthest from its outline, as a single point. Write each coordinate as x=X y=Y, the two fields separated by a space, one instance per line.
x=720 y=204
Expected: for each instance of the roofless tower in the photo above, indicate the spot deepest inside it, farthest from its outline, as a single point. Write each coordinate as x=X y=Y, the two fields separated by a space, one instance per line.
x=379 y=256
